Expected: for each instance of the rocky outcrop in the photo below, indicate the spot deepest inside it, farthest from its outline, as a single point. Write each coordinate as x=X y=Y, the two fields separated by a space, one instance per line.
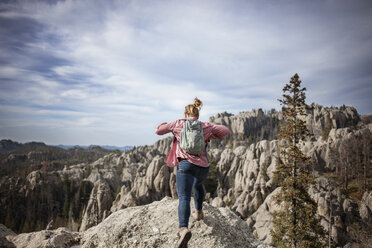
x=319 y=117
x=250 y=127
x=153 y=225
x=247 y=127
x=59 y=238
x=365 y=208
x=244 y=187
x=98 y=205
x=84 y=194
x=246 y=180
x=366 y=119
x=261 y=220
x=156 y=224
x=105 y=181
x=4 y=233
x=81 y=193
x=246 y=176
x=145 y=176
x=151 y=183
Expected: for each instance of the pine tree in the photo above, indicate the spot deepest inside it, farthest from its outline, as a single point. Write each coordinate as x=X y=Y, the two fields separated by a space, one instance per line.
x=296 y=225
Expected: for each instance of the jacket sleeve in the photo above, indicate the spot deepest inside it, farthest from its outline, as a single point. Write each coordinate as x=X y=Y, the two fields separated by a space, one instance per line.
x=165 y=128
x=219 y=131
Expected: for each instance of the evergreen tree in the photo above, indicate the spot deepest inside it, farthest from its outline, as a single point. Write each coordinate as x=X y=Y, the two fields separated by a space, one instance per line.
x=296 y=225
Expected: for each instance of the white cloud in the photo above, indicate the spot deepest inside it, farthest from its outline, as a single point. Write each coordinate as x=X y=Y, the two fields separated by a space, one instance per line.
x=75 y=94
x=88 y=121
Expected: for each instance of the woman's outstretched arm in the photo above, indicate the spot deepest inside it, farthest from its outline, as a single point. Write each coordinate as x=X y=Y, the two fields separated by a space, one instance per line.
x=165 y=128
x=219 y=131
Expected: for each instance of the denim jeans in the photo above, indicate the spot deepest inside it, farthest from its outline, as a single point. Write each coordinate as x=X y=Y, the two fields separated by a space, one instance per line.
x=189 y=176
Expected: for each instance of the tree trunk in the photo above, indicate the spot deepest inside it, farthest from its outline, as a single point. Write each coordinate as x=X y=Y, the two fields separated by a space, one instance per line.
x=346 y=171
x=365 y=166
x=294 y=180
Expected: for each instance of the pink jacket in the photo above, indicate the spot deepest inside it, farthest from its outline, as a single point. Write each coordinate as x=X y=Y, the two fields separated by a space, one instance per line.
x=210 y=131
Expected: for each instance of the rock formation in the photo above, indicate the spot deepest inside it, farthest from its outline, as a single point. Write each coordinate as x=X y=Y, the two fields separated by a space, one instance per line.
x=153 y=225
x=250 y=127
x=244 y=164
x=247 y=181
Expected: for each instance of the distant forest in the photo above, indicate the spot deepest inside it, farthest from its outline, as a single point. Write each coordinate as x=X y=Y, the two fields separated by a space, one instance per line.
x=18 y=159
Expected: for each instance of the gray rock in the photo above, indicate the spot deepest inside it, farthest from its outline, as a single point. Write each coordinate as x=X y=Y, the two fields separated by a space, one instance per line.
x=352 y=245
x=99 y=202
x=367 y=199
x=338 y=117
x=365 y=209
x=156 y=224
x=350 y=209
x=217 y=202
x=59 y=238
x=5 y=235
x=261 y=220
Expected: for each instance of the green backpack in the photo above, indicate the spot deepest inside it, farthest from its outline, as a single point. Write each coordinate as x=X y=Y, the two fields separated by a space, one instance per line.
x=192 y=139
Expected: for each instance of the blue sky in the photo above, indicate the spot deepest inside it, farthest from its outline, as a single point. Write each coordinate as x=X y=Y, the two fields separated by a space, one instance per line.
x=107 y=72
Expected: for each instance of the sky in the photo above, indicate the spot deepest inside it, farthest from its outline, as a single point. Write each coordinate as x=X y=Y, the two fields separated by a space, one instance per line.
x=108 y=72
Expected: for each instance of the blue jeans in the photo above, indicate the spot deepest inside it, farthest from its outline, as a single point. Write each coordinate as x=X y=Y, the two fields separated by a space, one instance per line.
x=189 y=176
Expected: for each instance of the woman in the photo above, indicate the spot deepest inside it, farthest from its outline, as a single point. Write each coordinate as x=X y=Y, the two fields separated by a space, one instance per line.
x=192 y=170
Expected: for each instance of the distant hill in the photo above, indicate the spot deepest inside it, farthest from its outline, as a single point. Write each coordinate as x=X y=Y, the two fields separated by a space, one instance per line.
x=107 y=147
x=7 y=145
x=19 y=159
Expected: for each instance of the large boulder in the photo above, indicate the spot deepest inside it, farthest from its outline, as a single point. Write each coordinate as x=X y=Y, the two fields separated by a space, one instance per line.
x=59 y=238
x=6 y=233
x=156 y=224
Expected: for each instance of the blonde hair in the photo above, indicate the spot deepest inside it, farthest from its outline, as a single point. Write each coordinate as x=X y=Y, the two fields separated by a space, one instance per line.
x=192 y=110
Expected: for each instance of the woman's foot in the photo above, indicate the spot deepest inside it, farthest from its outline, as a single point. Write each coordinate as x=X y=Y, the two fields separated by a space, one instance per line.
x=199 y=215
x=185 y=235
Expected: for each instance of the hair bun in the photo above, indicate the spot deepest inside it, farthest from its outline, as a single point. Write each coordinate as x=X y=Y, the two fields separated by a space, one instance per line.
x=197 y=103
